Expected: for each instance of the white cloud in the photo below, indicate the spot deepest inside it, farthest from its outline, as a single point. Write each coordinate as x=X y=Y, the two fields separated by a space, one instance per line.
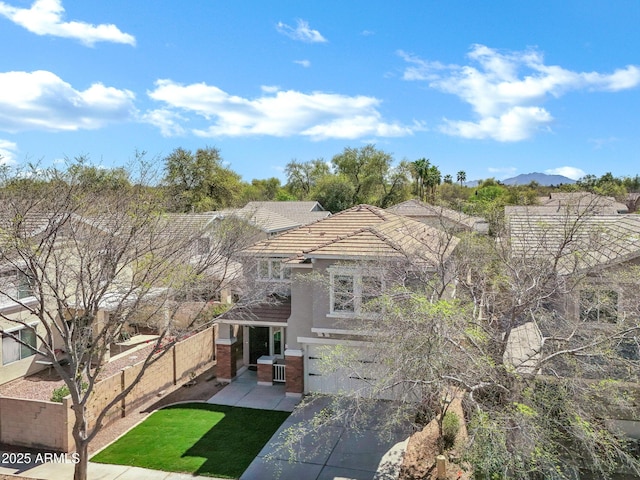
x=41 y=100
x=518 y=123
x=506 y=90
x=302 y=32
x=269 y=88
x=8 y=152
x=278 y=113
x=569 y=172
x=166 y=120
x=45 y=18
x=304 y=63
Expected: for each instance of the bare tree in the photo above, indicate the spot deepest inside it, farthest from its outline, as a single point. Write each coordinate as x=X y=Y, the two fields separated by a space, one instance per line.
x=90 y=261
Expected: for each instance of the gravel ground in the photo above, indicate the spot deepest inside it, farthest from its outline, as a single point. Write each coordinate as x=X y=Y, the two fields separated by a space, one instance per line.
x=40 y=386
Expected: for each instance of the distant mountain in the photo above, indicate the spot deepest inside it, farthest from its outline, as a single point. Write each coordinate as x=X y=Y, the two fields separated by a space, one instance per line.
x=540 y=178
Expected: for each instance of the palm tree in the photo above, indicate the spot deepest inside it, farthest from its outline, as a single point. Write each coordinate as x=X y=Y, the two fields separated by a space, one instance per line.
x=462 y=177
x=420 y=170
x=447 y=179
x=432 y=180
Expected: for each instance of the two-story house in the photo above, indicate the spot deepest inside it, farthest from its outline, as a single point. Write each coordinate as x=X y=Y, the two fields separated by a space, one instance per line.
x=595 y=253
x=322 y=276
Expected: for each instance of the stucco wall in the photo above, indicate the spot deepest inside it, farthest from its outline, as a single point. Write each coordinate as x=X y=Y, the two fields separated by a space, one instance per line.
x=302 y=300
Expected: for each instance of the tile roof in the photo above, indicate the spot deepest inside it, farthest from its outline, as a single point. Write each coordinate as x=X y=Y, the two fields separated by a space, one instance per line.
x=573 y=202
x=264 y=312
x=417 y=209
x=360 y=232
x=275 y=217
x=585 y=242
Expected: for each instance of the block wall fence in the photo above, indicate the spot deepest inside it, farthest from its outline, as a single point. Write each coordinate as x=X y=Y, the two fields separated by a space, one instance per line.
x=48 y=425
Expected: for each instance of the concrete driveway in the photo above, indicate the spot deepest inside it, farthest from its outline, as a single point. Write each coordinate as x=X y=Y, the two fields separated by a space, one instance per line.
x=333 y=451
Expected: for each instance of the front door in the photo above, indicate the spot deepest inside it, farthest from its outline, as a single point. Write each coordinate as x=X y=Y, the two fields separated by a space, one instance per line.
x=258 y=343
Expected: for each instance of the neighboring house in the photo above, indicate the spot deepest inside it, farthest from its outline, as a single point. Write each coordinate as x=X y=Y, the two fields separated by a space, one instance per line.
x=17 y=360
x=17 y=295
x=322 y=276
x=633 y=202
x=272 y=218
x=440 y=217
x=578 y=202
x=596 y=250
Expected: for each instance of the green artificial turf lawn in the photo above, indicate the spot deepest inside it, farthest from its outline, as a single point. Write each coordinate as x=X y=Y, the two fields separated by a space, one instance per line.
x=197 y=438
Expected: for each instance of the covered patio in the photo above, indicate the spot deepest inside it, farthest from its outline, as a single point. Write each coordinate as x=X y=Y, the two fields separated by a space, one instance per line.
x=254 y=338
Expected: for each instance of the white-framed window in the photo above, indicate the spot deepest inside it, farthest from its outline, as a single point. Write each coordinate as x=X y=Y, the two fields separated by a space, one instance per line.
x=353 y=292
x=599 y=305
x=12 y=350
x=273 y=270
x=15 y=284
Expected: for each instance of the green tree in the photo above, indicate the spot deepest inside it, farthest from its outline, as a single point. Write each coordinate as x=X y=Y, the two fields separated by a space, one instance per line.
x=334 y=192
x=368 y=170
x=261 y=190
x=302 y=177
x=199 y=181
x=90 y=176
x=447 y=179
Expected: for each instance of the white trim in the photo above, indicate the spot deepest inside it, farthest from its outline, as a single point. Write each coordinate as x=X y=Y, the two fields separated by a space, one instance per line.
x=12 y=307
x=293 y=395
x=226 y=341
x=19 y=326
x=291 y=352
x=338 y=331
x=332 y=341
x=345 y=257
x=251 y=323
x=293 y=264
x=266 y=360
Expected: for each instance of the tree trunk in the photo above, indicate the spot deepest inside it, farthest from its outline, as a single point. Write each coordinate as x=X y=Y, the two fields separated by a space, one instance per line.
x=82 y=445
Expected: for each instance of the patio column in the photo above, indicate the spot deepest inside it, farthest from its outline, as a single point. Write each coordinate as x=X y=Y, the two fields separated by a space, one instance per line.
x=294 y=361
x=265 y=370
x=226 y=367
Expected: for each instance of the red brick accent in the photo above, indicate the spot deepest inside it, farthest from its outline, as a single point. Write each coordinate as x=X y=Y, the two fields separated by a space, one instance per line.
x=265 y=373
x=226 y=362
x=294 y=374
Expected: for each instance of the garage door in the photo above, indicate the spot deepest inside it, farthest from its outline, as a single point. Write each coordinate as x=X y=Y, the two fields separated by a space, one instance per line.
x=348 y=371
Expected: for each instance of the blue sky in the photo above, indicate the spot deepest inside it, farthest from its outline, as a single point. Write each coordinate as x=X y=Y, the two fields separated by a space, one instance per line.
x=492 y=88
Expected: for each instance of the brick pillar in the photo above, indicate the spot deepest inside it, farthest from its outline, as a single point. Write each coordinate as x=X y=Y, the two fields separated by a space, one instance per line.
x=294 y=362
x=265 y=370
x=226 y=368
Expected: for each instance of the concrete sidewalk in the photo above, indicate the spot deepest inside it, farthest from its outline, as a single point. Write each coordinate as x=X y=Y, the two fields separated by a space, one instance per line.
x=96 y=471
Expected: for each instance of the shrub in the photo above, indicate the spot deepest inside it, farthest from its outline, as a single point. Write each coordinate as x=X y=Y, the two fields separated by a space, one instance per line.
x=59 y=393
x=450 y=427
